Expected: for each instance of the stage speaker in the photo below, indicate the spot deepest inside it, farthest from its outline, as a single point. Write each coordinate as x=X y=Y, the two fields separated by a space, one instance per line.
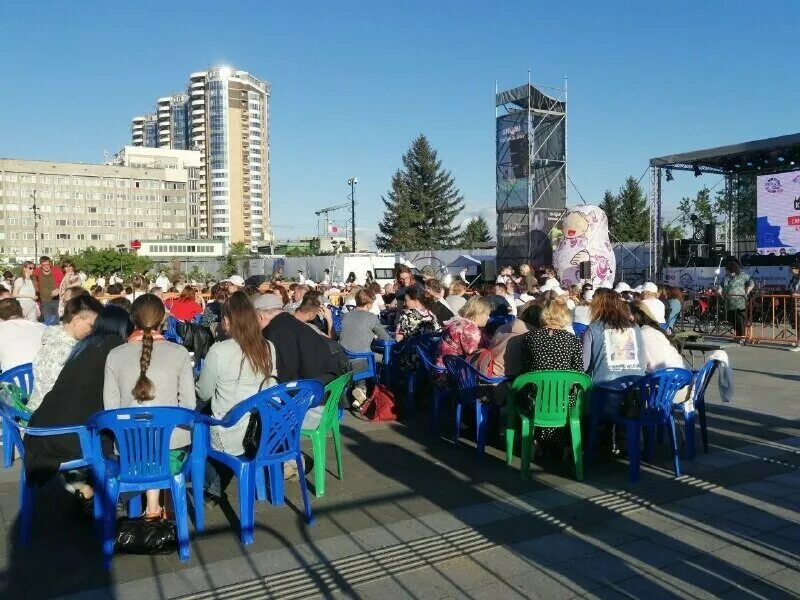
x=488 y=270
x=700 y=251
x=585 y=269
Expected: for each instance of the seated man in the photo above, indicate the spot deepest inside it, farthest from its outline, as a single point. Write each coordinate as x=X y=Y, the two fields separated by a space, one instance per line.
x=20 y=338
x=359 y=328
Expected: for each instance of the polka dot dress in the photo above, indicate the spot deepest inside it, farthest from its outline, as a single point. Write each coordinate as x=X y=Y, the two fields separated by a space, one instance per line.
x=548 y=350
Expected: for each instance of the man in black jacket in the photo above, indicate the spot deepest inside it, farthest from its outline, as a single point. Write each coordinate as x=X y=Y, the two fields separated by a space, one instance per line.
x=300 y=352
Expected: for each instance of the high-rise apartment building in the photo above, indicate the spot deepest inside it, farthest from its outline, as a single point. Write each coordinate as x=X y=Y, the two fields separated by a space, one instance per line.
x=225 y=116
x=143 y=194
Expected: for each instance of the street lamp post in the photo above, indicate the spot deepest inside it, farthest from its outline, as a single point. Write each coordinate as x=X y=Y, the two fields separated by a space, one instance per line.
x=352 y=182
x=36 y=217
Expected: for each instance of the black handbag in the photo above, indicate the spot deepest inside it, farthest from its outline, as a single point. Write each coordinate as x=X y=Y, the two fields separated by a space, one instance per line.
x=138 y=536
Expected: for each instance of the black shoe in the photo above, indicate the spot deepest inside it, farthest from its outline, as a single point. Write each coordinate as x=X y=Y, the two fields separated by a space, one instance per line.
x=84 y=506
x=211 y=502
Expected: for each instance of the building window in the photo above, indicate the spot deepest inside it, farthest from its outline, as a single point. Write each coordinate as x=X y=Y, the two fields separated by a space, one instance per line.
x=62 y=236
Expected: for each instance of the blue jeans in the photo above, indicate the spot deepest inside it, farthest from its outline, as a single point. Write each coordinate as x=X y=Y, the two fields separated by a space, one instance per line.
x=217 y=478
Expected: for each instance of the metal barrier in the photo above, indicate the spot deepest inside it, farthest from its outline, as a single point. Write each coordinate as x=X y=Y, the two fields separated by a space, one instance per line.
x=774 y=318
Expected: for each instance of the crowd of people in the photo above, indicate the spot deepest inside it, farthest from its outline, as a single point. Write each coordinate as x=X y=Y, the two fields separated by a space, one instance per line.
x=108 y=347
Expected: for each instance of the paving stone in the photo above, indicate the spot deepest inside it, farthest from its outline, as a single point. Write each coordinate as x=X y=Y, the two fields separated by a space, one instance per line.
x=653 y=554
x=743 y=559
x=554 y=548
x=755 y=517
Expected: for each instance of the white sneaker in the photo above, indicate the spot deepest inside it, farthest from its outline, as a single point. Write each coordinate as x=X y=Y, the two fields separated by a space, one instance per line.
x=359 y=397
x=794 y=349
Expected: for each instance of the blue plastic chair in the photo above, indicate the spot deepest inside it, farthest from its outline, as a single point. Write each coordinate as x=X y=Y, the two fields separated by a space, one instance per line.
x=16 y=419
x=702 y=378
x=579 y=329
x=468 y=381
x=281 y=409
x=51 y=320
x=429 y=343
x=22 y=377
x=142 y=437
x=386 y=348
x=435 y=373
x=368 y=372
x=171 y=330
x=336 y=313
x=656 y=392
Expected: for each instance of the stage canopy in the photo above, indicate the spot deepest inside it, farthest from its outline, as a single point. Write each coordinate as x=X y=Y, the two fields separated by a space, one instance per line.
x=769 y=155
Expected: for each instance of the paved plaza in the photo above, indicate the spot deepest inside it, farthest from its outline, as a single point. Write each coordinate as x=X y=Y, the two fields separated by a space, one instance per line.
x=417 y=517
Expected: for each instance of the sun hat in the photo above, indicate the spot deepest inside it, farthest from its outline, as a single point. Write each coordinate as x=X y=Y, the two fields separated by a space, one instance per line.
x=651 y=287
x=622 y=287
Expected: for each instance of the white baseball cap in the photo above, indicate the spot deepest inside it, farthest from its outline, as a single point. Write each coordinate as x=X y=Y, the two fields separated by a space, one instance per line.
x=622 y=287
x=236 y=280
x=649 y=286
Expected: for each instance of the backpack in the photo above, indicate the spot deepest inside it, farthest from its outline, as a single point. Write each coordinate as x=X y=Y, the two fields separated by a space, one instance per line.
x=382 y=403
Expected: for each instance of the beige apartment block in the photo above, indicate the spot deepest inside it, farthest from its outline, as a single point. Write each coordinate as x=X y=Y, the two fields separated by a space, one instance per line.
x=82 y=205
x=224 y=115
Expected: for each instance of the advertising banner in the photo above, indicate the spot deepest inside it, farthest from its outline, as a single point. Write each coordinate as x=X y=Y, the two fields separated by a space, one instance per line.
x=778 y=213
x=697 y=278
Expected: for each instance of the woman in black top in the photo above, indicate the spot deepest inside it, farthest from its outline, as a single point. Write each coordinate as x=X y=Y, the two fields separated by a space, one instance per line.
x=76 y=395
x=548 y=348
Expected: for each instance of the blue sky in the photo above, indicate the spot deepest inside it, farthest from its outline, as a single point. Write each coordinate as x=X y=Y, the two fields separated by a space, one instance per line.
x=355 y=82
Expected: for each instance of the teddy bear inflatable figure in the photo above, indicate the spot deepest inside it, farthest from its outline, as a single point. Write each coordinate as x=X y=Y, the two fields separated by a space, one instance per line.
x=585 y=237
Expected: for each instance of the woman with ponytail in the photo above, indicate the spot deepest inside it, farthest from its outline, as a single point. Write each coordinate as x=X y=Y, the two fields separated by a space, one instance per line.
x=149 y=371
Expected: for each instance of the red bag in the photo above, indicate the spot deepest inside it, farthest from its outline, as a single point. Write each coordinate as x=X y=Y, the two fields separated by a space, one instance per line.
x=382 y=403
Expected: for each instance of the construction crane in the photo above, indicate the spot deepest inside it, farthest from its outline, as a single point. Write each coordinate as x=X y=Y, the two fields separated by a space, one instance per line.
x=326 y=211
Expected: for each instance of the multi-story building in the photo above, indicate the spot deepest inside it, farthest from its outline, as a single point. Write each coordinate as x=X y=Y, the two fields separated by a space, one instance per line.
x=225 y=116
x=82 y=205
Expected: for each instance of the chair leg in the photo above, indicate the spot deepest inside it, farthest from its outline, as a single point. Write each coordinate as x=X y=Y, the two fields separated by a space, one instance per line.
x=247 y=508
x=111 y=493
x=276 y=484
x=701 y=412
x=436 y=409
x=8 y=446
x=319 y=450
x=481 y=425
x=135 y=506
x=688 y=420
x=577 y=446
x=411 y=384
x=511 y=429
x=198 y=475
x=25 y=509
x=458 y=419
x=594 y=425
x=304 y=490
x=526 y=445
x=633 y=450
x=673 y=440
x=178 y=491
x=337 y=449
x=261 y=484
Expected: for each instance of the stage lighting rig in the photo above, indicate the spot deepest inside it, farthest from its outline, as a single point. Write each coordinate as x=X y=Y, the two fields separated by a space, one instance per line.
x=697 y=171
x=669 y=175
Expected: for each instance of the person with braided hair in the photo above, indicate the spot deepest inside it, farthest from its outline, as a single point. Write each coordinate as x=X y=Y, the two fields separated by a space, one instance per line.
x=150 y=371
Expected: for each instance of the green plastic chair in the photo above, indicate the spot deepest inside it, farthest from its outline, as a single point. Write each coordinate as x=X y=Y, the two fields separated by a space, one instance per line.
x=319 y=436
x=551 y=409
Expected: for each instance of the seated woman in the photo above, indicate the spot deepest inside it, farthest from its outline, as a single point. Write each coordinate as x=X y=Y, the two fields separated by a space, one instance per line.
x=506 y=343
x=234 y=370
x=185 y=306
x=658 y=349
x=414 y=320
x=58 y=341
x=462 y=335
x=150 y=371
x=674 y=301
x=76 y=395
x=548 y=348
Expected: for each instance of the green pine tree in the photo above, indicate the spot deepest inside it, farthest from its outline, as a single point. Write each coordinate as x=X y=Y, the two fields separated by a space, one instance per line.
x=476 y=232
x=422 y=205
x=610 y=206
x=633 y=223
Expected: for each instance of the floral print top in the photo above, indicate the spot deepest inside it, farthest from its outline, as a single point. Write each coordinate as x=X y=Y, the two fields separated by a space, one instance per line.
x=460 y=337
x=57 y=345
x=416 y=321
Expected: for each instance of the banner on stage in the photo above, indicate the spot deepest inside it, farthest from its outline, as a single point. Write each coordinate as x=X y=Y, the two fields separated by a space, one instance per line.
x=778 y=218
x=696 y=278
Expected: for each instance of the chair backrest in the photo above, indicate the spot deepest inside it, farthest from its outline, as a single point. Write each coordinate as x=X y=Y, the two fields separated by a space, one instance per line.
x=427 y=362
x=21 y=376
x=552 y=394
x=428 y=341
x=657 y=391
x=141 y=436
x=333 y=396
x=464 y=375
x=171 y=331
x=579 y=329
x=336 y=313
x=702 y=379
